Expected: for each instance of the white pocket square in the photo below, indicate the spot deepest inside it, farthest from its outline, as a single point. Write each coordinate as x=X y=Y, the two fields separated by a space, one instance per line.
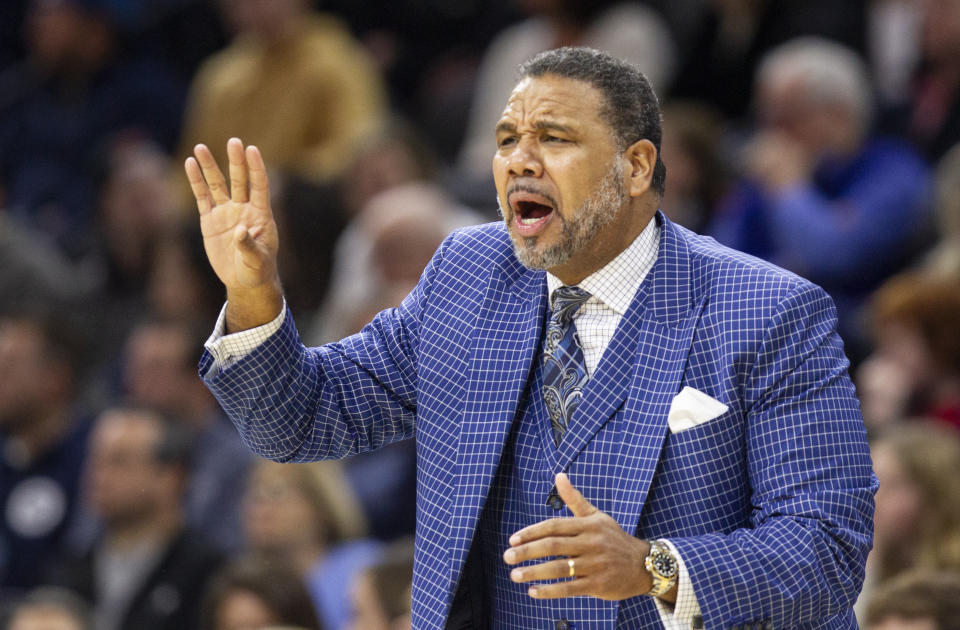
x=691 y=408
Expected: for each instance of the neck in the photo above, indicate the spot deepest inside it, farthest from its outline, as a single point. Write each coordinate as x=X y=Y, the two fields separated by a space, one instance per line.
x=156 y=527
x=611 y=240
x=37 y=434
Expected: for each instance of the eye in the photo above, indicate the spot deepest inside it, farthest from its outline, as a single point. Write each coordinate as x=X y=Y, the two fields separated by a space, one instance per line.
x=506 y=141
x=554 y=139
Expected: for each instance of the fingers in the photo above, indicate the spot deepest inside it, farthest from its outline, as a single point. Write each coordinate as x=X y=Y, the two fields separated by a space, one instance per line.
x=238 y=170
x=572 y=497
x=581 y=583
x=552 y=570
x=545 y=547
x=248 y=253
x=570 y=588
x=211 y=173
x=544 y=529
x=198 y=185
x=259 y=184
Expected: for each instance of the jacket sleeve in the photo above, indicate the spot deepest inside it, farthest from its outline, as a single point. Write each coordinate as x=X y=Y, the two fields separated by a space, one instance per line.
x=801 y=559
x=291 y=403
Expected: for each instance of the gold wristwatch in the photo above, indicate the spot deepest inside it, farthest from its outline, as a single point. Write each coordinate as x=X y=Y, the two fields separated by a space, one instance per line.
x=662 y=566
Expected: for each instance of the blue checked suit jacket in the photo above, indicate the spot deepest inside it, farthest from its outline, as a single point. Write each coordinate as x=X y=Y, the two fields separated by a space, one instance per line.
x=770 y=505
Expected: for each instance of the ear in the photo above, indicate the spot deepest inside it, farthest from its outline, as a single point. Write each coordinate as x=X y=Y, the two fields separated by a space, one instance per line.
x=641 y=157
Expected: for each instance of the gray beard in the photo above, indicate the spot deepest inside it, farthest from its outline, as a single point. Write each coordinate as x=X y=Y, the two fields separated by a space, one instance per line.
x=595 y=213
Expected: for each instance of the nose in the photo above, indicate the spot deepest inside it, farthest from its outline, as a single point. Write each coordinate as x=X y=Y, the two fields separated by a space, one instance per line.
x=524 y=160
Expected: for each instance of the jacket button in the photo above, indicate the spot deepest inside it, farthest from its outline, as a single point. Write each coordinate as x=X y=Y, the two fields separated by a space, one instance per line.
x=563 y=624
x=554 y=500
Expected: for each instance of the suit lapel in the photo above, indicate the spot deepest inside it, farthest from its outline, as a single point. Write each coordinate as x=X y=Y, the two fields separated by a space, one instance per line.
x=507 y=336
x=641 y=371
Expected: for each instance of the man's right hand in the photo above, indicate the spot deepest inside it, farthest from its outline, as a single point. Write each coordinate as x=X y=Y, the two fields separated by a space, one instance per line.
x=239 y=232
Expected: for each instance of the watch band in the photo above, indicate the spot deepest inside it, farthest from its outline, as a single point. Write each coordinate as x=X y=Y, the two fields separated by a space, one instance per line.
x=662 y=566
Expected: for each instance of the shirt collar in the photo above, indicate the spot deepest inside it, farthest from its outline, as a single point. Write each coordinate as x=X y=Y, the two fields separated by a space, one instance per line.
x=617 y=282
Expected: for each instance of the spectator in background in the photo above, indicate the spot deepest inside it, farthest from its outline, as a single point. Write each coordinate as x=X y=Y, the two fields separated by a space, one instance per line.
x=691 y=149
x=159 y=371
x=917 y=517
x=136 y=204
x=305 y=515
x=34 y=271
x=915 y=367
x=75 y=88
x=43 y=440
x=292 y=81
x=313 y=217
x=258 y=592
x=918 y=600
x=730 y=37
x=381 y=593
x=383 y=251
x=180 y=285
x=933 y=113
x=820 y=195
x=147 y=571
x=944 y=258
x=628 y=30
x=50 y=608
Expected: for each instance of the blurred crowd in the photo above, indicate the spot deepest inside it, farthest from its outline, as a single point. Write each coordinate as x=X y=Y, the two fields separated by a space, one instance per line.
x=823 y=136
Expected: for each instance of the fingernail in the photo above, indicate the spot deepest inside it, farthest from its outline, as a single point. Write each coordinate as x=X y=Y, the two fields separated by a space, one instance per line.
x=516 y=575
x=510 y=556
x=514 y=540
x=532 y=591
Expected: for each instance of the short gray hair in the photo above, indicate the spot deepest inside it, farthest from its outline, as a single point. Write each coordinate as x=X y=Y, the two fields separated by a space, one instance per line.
x=831 y=73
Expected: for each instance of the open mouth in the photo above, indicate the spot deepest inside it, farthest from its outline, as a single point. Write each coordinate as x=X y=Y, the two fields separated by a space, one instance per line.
x=531 y=209
x=529 y=212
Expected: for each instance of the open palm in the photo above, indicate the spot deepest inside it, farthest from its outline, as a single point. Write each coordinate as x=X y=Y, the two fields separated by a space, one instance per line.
x=239 y=232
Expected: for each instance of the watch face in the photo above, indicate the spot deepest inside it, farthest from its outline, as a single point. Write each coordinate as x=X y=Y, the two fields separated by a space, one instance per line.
x=665 y=565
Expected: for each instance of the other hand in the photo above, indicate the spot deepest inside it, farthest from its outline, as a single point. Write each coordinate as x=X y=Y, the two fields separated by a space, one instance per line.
x=608 y=562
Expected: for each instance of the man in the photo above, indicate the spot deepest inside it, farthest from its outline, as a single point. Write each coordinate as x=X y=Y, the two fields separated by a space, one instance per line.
x=147 y=571
x=43 y=438
x=48 y=608
x=287 y=57
x=822 y=195
x=765 y=498
x=159 y=373
x=916 y=600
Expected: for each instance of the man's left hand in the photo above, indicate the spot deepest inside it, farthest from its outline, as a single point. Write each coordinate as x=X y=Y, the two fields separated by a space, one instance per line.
x=607 y=561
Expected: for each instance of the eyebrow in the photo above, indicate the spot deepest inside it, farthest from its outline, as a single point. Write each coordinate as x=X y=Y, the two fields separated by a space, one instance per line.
x=540 y=125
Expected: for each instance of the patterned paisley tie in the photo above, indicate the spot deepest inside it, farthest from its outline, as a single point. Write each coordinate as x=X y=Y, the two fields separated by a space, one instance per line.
x=564 y=371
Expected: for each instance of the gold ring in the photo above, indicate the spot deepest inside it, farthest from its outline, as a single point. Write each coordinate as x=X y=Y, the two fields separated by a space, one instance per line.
x=570 y=564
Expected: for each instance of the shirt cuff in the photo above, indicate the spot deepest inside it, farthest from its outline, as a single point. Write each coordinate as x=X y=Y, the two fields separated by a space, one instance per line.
x=680 y=615
x=227 y=349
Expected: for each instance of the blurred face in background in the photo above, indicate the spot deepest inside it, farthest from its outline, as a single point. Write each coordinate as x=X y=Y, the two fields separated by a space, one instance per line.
x=51 y=30
x=277 y=514
x=897 y=622
x=898 y=502
x=22 y=372
x=941 y=30
x=243 y=610
x=43 y=618
x=368 y=614
x=125 y=482
x=157 y=369
x=263 y=19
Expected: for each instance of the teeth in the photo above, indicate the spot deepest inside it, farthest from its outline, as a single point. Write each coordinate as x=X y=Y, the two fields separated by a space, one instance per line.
x=529 y=221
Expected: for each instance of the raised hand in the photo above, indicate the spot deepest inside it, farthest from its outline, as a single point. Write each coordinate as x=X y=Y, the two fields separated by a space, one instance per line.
x=607 y=561
x=239 y=232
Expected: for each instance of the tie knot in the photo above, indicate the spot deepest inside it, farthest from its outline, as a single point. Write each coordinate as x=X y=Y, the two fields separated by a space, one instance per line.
x=566 y=301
